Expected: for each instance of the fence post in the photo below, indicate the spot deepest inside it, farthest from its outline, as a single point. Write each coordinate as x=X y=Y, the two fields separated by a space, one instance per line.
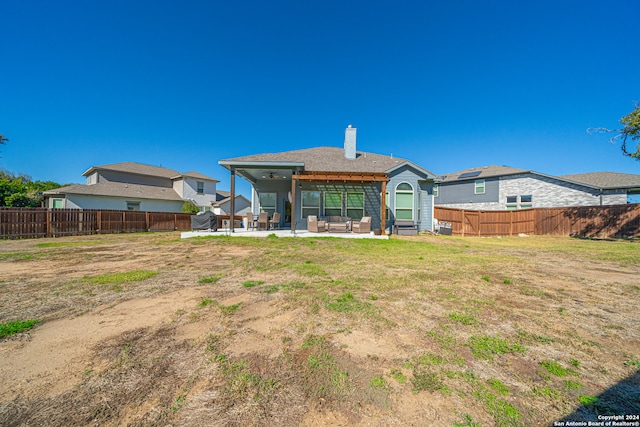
x=511 y=223
x=175 y=222
x=146 y=221
x=48 y=216
x=99 y=222
x=462 y=222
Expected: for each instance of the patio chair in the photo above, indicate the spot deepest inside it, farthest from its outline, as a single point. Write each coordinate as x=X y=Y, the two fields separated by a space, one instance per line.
x=263 y=220
x=275 y=221
x=250 y=223
x=314 y=225
x=362 y=226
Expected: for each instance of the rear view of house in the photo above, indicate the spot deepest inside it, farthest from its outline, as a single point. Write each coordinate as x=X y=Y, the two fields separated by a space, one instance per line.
x=332 y=181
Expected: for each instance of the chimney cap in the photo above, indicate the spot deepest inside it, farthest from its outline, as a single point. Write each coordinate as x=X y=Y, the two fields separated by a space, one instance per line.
x=350 y=126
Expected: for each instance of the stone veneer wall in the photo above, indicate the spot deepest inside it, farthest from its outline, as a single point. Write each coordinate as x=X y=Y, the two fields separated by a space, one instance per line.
x=547 y=192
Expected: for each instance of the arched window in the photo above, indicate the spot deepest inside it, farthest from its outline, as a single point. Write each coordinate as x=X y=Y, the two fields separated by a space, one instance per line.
x=404 y=201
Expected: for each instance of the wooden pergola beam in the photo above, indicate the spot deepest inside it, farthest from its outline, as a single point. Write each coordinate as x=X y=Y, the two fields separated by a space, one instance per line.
x=341 y=177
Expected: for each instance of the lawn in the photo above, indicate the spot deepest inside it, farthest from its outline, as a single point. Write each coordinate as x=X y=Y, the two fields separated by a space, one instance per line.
x=149 y=329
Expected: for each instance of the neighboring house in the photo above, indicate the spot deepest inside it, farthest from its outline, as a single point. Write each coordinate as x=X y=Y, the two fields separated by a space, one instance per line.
x=331 y=181
x=507 y=188
x=135 y=186
x=222 y=205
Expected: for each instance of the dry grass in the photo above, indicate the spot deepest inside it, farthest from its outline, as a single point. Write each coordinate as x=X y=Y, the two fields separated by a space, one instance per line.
x=434 y=330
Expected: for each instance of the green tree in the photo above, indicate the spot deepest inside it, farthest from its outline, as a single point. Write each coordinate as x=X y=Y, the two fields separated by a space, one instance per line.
x=630 y=133
x=19 y=191
x=190 y=207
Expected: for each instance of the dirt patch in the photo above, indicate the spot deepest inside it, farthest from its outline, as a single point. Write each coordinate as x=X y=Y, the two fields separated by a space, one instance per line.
x=298 y=332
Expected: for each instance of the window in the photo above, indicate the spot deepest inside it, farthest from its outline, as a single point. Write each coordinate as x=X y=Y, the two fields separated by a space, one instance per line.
x=436 y=189
x=133 y=206
x=57 y=203
x=479 y=187
x=404 y=201
x=355 y=206
x=519 y=202
x=526 y=202
x=310 y=203
x=332 y=204
x=268 y=203
x=386 y=204
x=200 y=186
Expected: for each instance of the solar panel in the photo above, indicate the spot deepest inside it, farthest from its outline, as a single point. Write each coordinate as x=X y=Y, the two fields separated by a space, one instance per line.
x=469 y=174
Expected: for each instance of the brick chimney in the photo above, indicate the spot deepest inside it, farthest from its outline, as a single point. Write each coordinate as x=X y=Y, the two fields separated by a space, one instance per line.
x=350 y=142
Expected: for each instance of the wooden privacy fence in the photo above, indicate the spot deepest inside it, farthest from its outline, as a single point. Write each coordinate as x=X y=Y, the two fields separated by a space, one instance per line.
x=20 y=223
x=618 y=221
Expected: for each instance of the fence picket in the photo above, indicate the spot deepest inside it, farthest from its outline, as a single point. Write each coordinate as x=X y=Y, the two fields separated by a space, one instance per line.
x=618 y=221
x=25 y=223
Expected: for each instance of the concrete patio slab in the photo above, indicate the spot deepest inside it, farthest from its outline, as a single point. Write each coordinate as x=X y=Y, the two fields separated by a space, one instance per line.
x=280 y=233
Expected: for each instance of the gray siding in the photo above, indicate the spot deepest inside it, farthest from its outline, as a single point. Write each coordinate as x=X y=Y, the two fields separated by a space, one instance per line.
x=371 y=199
x=78 y=201
x=114 y=176
x=463 y=192
x=281 y=188
x=420 y=185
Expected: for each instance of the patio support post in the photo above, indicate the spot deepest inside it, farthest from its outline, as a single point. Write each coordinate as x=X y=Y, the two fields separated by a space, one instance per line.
x=232 y=202
x=383 y=208
x=294 y=183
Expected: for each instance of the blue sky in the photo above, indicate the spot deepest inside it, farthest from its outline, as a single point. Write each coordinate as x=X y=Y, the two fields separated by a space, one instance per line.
x=448 y=85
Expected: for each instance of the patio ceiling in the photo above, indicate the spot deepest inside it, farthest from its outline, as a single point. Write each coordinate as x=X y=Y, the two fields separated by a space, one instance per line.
x=264 y=171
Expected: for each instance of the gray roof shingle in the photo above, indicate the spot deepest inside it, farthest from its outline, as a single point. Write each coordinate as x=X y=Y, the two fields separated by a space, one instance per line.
x=328 y=159
x=142 y=169
x=605 y=179
x=118 y=189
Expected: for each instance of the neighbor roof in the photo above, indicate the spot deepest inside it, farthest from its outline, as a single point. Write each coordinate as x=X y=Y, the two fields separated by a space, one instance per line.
x=328 y=159
x=481 y=173
x=142 y=169
x=225 y=199
x=605 y=179
x=118 y=189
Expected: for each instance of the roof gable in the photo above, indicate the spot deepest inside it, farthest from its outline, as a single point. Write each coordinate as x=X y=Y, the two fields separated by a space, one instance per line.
x=118 y=189
x=326 y=159
x=148 y=170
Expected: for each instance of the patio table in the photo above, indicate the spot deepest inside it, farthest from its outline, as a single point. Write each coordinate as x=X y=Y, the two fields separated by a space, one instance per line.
x=338 y=227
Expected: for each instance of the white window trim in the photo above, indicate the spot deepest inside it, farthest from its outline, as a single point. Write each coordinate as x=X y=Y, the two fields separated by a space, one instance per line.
x=413 y=200
x=476 y=185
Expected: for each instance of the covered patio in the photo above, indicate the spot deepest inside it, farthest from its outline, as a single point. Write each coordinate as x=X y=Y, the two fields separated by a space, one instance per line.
x=280 y=187
x=241 y=232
